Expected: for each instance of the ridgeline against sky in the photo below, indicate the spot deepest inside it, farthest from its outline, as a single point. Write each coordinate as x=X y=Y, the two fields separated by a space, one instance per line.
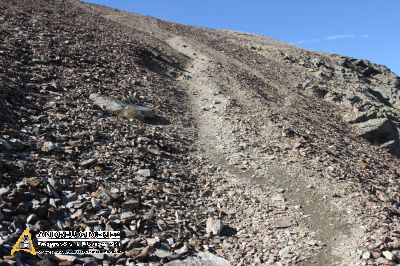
x=363 y=29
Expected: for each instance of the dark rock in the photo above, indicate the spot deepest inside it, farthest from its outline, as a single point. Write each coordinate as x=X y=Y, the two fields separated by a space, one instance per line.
x=4 y=145
x=17 y=144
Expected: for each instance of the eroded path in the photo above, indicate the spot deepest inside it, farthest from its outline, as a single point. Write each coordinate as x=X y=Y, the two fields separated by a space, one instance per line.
x=232 y=139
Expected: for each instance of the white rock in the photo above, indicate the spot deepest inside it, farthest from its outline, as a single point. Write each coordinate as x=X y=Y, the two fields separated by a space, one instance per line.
x=183 y=250
x=284 y=251
x=214 y=226
x=146 y=173
x=162 y=253
x=366 y=255
x=48 y=146
x=388 y=255
x=4 y=191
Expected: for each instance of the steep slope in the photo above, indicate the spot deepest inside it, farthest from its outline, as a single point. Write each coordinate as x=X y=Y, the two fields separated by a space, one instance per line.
x=278 y=143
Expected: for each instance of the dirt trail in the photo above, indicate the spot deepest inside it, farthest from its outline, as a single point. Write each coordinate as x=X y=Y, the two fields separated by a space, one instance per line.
x=223 y=141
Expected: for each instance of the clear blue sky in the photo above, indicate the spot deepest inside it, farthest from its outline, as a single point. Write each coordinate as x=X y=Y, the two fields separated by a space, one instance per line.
x=367 y=29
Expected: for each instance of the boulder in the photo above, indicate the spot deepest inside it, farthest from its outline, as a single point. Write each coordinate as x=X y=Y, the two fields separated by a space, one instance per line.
x=116 y=106
x=378 y=131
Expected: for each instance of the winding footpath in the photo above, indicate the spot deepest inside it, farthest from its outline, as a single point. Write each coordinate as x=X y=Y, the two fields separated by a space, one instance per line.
x=217 y=103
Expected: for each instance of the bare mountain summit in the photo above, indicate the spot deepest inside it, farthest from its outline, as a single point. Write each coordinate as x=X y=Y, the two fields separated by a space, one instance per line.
x=201 y=146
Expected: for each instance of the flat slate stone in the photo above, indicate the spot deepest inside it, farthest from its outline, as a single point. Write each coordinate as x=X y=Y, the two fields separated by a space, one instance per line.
x=115 y=106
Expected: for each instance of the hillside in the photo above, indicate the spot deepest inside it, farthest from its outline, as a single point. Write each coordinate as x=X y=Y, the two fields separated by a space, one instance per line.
x=202 y=146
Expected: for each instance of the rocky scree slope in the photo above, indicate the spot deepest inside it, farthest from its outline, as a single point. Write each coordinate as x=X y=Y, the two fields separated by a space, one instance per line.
x=313 y=116
x=69 y=164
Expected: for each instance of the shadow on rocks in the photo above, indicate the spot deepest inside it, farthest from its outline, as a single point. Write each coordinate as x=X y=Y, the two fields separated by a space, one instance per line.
x=157 y=120
x=228 y=231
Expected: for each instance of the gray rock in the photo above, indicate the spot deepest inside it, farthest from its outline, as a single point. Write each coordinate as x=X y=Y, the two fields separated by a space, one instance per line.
x=203 y=259
x=32 y=219
x=280 y=190
x=95 y=203
x=214 y=226
x=282 y=223
x=192 y=261
x=183 y=250
x=366 y=255
x=210 y=259
x=160 y=253
x=227 y=245
x=52 y=203
x=146 y=173
x=152 y=241
x=127 y=216
x=388 y=255
x=189 y=261
x=4 y=191
x=284 y=251
x=107 y=103
x=4 y=145
x=378 y=131
x=116 y=106
x=70 y=196
x=382 y=261
x=48 y=146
